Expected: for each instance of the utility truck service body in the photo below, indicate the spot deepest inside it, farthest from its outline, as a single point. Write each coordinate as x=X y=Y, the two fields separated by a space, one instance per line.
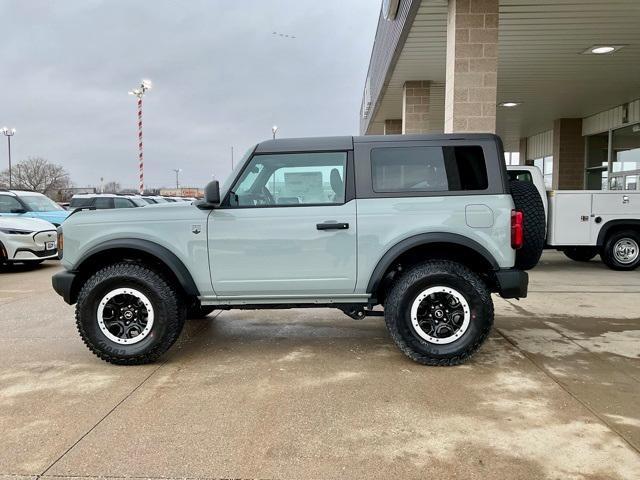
x=584 y=223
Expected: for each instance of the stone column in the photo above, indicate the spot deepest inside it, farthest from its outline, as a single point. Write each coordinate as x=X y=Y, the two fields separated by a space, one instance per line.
x=568 y=154
x=393 y=126
x=472 y=65
x=523 y=152
x=415 y=106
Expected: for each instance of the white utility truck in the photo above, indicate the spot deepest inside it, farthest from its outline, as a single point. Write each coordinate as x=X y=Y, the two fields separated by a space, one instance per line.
x=585 y=223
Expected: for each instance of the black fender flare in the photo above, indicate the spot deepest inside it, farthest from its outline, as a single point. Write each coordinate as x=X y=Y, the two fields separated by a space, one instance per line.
x=163 y=254
x=602 y=234
x=424 y=239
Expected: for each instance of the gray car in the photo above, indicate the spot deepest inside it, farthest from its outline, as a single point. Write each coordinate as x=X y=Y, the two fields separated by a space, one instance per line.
x=423 y=226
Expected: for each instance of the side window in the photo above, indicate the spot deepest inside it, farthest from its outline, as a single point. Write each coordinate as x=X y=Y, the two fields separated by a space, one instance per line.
x=428 y=169
x=7 y=204
x=122 y=203
x=103 y=202
x=292 y=179
x=80 y=202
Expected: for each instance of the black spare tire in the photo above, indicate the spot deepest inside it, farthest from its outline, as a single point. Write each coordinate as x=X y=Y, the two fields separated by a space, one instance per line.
x=527 y=200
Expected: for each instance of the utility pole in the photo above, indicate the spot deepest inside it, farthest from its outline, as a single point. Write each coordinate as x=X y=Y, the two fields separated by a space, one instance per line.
x=9 y=132
x=232 y=157
x=139 y=93
x=177 y=170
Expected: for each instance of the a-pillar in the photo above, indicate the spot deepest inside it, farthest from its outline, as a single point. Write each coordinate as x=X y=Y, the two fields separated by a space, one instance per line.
x=471 y=66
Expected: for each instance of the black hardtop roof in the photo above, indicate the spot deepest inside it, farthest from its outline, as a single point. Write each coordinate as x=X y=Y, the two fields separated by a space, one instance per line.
x=319 y=144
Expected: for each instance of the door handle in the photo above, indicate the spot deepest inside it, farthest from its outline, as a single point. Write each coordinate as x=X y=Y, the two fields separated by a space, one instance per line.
x=332 y=226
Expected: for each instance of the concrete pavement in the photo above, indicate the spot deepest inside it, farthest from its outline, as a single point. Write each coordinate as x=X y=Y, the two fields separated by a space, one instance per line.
x=554 y=393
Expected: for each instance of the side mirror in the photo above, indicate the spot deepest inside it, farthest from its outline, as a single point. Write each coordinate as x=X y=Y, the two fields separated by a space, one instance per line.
x=18 y=210
x=212 y=193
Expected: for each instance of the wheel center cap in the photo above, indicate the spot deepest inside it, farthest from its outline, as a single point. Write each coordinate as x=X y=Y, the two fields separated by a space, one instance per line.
x=128 y=314
x=438 y=313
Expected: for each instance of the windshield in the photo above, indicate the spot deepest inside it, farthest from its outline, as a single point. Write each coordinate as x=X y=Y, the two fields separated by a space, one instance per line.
x=160 y=200
x=39 y=203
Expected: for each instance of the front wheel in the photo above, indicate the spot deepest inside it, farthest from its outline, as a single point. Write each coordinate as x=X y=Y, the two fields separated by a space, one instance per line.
x=128 y=314
x=439 y=313
x=621 y=250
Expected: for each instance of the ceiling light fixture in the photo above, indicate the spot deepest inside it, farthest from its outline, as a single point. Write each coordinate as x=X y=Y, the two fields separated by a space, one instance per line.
x=510 y=104
x=602 y=49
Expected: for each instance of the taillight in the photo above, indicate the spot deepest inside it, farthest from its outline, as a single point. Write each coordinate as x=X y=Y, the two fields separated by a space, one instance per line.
x=60 y=243
x=517 y=233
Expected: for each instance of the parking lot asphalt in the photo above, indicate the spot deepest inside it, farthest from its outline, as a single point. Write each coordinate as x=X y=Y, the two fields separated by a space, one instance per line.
x=298 y=394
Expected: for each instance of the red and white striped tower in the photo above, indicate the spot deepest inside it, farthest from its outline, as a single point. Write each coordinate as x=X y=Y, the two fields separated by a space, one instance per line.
x=139 y=93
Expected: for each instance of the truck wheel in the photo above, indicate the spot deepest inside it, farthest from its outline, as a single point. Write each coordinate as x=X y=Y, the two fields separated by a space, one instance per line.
x=527 y=200
x=199 y=311
x=128 y=314
x=580 y=254
x=439 y=313
x=621 y=250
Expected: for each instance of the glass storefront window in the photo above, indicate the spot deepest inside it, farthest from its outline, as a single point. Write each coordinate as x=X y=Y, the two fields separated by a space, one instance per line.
x=545 y=164
x=625 y=164
x=597 y=163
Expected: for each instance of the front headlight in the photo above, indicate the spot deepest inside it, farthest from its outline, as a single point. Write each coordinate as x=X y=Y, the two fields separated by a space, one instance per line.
x=13 y=231
x=60 y=242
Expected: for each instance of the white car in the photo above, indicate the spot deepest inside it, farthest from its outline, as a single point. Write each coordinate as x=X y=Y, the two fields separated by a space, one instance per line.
x=27 y=240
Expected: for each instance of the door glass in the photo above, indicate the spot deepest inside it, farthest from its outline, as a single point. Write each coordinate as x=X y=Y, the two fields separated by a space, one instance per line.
x=103 y=202
x=292 y=179
x=7 y=204
x=122 y=203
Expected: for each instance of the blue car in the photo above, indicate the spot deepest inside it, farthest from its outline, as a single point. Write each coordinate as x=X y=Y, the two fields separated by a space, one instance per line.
x=31 y=204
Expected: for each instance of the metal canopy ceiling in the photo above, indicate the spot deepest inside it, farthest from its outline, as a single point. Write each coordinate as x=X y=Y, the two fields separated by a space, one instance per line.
x=540 y=61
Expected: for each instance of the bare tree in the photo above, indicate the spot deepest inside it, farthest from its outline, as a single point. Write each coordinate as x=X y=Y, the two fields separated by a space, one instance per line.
x=37 y=174
x=111 y=187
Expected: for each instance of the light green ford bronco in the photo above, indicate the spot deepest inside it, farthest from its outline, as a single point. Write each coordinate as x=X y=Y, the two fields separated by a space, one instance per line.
x=423 y=226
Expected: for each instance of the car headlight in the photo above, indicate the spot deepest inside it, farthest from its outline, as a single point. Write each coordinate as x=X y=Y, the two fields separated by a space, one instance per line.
x=13 y=231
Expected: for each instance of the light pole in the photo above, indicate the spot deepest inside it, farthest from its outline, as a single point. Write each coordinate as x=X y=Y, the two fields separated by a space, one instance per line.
x=9 y=132
x=177 y=170
x=139 y=93
x=274 y=129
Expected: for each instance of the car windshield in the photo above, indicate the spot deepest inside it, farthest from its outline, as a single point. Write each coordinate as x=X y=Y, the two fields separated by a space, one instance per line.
x=39 y=203
x=160 y=200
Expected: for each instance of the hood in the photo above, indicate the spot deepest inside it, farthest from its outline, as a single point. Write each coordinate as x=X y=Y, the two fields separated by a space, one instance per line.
x=54 y=216
x=25 y=223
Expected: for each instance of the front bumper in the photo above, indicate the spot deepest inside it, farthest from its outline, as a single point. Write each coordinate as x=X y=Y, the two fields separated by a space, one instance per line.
x=512 y=283
x=63 y=285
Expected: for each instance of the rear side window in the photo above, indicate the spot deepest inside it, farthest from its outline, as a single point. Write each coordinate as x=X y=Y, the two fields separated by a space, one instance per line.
x=122 y=203
x=80 y=202
x=428 y=169
x=103 y=202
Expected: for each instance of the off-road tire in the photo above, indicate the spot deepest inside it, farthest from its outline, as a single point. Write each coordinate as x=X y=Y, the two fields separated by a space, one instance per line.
x=438 y=273
x=197 y=311
x=581 y=254
x=527 y=200
x=169 y=313
x=608 y=250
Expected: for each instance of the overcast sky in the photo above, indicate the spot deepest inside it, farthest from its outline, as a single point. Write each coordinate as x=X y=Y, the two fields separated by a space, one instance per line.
x=221 y=78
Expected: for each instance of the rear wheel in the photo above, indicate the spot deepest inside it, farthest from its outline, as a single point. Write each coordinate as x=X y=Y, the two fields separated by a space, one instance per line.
x=439 y=313
x=621 y=250
x=527 y=200
x=581 y=254
x=128 y=314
